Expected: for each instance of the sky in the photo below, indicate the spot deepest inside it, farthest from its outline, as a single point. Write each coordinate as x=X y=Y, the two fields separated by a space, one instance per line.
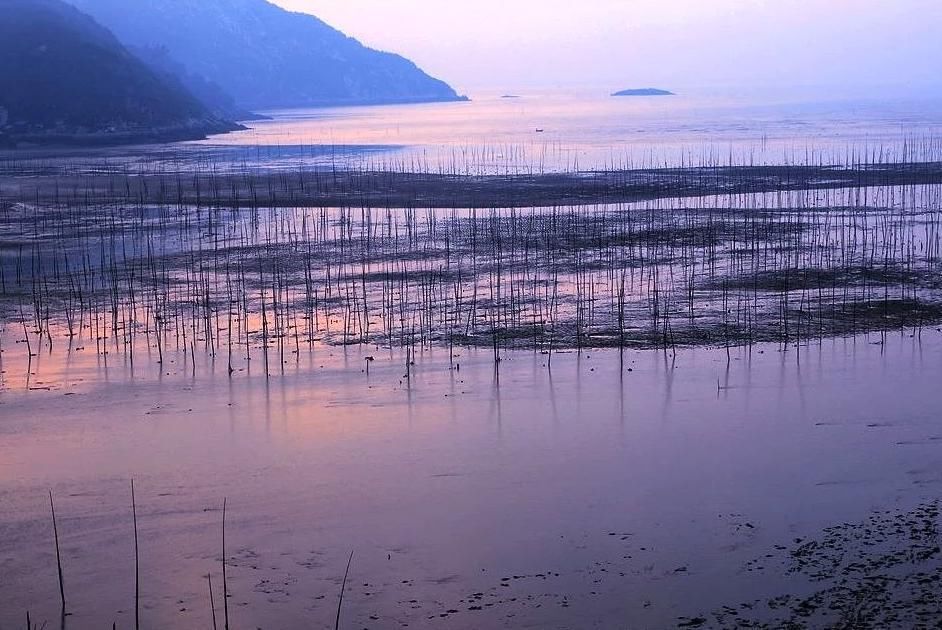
x=528 y=44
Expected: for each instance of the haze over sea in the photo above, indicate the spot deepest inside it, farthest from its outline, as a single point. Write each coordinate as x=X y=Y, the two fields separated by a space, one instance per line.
x=566 y=130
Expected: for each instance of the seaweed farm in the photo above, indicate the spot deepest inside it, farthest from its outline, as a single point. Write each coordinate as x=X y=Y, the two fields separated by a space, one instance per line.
x=241 y=284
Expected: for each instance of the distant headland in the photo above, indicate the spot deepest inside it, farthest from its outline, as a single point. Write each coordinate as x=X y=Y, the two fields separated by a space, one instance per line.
x=644 y=92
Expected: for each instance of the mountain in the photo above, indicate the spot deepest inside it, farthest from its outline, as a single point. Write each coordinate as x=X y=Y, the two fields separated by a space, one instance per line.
x=265 y=56
x=217 y=100
x=644 y=92
x=65 y=78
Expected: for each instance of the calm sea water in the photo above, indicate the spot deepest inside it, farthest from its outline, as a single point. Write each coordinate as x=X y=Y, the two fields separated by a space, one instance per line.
x=568 y=131
x=582 y=496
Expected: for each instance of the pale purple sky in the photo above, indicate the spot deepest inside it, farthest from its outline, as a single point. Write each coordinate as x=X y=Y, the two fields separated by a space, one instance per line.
x=505 y=44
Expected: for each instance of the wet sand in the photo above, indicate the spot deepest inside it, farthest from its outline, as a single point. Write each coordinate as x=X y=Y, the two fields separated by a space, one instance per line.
x=642 y=490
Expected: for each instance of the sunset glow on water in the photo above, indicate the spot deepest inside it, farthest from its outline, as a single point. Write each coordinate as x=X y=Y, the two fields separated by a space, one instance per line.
x=470 y=315
x=553 y=131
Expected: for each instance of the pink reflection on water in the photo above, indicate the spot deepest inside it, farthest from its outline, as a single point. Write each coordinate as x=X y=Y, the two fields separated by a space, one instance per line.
x=448 y=482
x=553 y=131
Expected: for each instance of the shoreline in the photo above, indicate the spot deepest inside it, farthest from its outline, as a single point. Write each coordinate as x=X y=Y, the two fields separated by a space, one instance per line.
x=23 y=142
x=14 y=144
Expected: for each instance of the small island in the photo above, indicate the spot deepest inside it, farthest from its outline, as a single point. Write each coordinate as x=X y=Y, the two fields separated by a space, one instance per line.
x=644 y=92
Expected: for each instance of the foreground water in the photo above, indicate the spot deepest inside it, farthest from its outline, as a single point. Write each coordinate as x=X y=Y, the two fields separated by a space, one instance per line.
x=608 y=491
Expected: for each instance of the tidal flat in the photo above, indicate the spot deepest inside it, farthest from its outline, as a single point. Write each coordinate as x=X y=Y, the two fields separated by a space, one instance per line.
x=717 y=270
x=709 y=407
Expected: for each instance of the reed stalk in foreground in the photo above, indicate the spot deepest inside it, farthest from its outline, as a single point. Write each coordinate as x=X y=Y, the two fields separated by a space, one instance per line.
x=225 y=584
x=343 y=587
x=55 y=532
x=212 y=601
x=137 y=564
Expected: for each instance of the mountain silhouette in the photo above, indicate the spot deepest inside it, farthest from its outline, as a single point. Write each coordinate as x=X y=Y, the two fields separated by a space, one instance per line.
x=65 y=78
x=265 y=56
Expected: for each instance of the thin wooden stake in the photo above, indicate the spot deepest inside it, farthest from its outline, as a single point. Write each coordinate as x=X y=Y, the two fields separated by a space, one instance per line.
x=55 y=531
x=343 y=587
x=225 y=583
x=137 y=570
x=212 y=601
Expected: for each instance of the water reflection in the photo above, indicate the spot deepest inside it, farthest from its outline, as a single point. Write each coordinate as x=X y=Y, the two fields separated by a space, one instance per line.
x=580 y=131
x=454 y=479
